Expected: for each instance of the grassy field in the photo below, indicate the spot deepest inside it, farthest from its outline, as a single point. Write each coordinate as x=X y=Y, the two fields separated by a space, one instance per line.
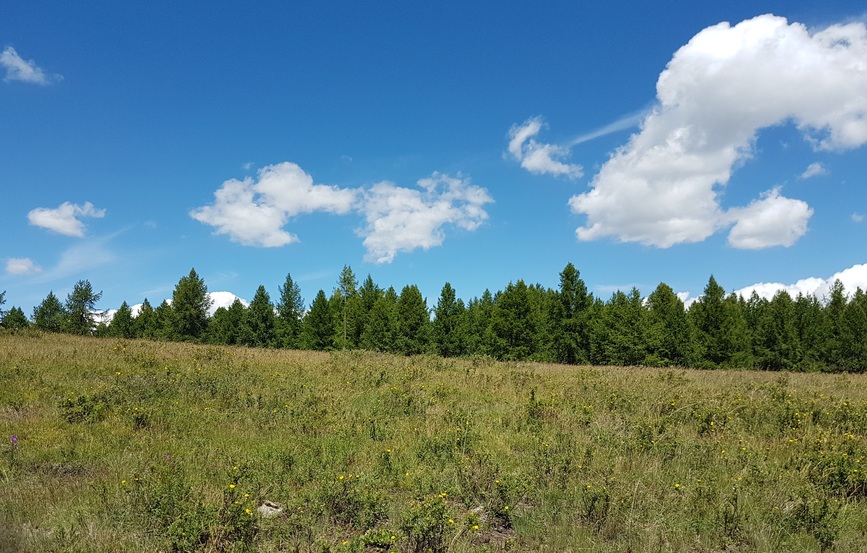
x=143 y=446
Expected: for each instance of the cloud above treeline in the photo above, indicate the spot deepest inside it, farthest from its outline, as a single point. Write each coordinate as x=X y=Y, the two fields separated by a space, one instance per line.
x=19 y=69
x=21 y=266
x=852 y=278
x=718 y=91
x=537 y=157
x=64 y=219
x=255 y=211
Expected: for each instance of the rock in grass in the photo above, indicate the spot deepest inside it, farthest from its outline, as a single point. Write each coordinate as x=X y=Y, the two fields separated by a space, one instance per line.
x=269 y=510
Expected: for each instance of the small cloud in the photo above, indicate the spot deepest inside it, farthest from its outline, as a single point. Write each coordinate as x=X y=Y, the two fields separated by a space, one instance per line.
x=65 y=219
x=770 y=221
x=857 y=217
x=21 y=266
x=18 y=69
x=253 y=212
x=247 y=166
x=403 y=219
x=814 y=170
x=538 y=158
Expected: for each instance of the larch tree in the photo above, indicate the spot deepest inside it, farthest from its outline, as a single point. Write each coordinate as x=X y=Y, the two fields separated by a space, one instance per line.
x=81 y=307
x=190 y=304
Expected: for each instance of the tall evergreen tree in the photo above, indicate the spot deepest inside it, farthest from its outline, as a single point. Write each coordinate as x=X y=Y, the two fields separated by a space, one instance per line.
x=380 y=330
x=570 y=327
x=145 y=323
x=413 y=321
x=854 y=351
x=2 y=302
x=290 y=311
x=260 y=320
x=317 y=326
x=512 y=323
x=49 y=315
x=165 y=327
x=622 y=329
x=812 y=329
x=190 y=304
x=345 y=309
x=479 y=316
x=122 y=325
x=15 y=319
x=777 y=345
x=229 y=326
x=668 y=331
x=722 y=335
x=80 y=308
x=449 y=323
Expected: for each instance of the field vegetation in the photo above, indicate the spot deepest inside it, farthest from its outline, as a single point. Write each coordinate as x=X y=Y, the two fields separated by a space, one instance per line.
x=114 y=444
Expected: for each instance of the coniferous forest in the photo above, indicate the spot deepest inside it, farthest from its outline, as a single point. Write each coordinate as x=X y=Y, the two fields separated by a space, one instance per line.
x=520 y=322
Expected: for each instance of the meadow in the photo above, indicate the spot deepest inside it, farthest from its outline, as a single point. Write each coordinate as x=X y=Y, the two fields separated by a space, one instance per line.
x=137 y=445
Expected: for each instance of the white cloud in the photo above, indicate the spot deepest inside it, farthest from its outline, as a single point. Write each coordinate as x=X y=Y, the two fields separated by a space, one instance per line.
x=254 y=212
x=397 y=219
x=539 y=158
x=403 y=219
x=21 y=266
x=857 y=217
x=18 y=69
x=852 y=278
x=64 y=219
x=716 y=93
x=770 y=221
x=815 y=169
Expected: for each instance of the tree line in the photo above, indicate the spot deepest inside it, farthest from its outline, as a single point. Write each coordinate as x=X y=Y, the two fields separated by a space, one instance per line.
x=521 y=322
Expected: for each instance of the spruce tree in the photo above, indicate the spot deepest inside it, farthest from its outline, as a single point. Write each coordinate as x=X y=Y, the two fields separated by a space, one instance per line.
x=448 y=332
x=290 y=311
x=317 y=326
x=190 y=304
x=260 y=320
x=122 y=324
x=413 y=321
x=49 y=315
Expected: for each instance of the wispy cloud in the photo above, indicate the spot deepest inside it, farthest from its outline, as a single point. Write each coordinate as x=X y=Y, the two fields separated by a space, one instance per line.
x=19 y=69
x=628 y=121
x=717 y=92
x=65 y=218
x=814 y=170
x=21 y=266
x=537 y=157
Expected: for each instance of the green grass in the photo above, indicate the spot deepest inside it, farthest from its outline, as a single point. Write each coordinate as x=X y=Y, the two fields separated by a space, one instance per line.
x=146 y=446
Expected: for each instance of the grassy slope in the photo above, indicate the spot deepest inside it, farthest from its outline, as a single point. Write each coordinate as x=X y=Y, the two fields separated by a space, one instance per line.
x=145 y=446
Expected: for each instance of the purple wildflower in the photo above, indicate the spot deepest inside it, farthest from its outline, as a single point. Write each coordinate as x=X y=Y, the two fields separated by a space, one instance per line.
x=14 y=439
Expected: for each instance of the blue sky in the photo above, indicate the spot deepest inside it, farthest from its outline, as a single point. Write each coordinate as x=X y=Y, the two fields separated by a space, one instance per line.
x=423 y=142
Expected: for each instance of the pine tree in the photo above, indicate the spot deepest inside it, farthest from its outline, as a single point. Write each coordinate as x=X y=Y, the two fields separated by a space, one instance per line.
x=317 y=326
x=15 y=319
x=668 y=332
x=122 y=325
x=413 y=321
x=777 y=345
x=513 y=324
x=164 y=322
x=290 y=311
x=229 y=326
x=448 y=332
x=190 y=304
x=380 y=330
x=570 y=329
x=80 y=307
x=260 y=320
x=49 y=315
x=145 y=323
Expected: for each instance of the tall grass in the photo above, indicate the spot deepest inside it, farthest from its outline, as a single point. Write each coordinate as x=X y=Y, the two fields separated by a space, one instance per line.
x=146 y=446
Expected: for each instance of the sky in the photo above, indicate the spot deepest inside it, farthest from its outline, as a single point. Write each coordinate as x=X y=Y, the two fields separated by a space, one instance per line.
x=475 y=143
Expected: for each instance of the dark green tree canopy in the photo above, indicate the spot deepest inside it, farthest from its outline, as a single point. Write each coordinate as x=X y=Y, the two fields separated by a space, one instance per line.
x=190 y=304
x=80 y=308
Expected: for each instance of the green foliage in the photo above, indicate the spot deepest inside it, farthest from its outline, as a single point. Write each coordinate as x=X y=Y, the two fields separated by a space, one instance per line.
x=122 y=325
x=317 y=327
x=413 y=322
x=290 y=312
x=15 y=319
x=260 y=321
x=80 y=305
x=190 y=304
x=448 y=327
x=49 y=315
